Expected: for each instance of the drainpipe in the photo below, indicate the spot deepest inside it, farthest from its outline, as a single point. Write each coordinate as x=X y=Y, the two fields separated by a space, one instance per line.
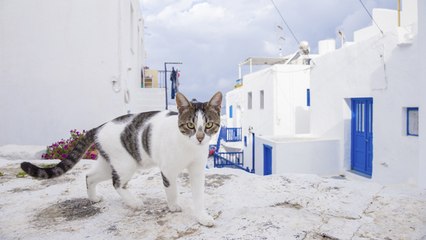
x=399 y=13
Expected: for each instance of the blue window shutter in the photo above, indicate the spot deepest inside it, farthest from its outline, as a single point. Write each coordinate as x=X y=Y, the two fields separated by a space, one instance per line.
x=308 y=97
x=230 y=111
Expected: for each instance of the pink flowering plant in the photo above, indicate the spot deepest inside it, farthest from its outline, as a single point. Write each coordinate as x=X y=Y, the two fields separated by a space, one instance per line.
x=61 y=149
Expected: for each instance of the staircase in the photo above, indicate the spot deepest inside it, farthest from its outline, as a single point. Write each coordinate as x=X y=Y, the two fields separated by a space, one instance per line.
x=229 y=159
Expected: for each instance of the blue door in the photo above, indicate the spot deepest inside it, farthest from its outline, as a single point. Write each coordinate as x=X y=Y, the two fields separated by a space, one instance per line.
x=362 y=136
x=267 y=159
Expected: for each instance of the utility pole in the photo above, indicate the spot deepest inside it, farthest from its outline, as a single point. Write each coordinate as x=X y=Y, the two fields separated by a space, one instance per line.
x=165 y=80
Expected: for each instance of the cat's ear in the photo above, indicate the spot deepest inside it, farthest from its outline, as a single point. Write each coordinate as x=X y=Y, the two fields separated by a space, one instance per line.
x=181 y=101
x=216 y=101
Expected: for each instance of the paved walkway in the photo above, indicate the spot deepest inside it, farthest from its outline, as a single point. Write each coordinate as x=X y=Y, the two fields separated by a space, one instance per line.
x=245 y=206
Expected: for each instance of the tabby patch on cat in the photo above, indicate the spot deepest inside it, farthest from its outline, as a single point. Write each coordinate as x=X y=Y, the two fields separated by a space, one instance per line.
x=173 y=141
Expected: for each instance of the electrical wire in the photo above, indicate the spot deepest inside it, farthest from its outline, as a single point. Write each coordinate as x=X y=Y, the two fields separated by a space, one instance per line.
x=285 y=22
x=369 y=14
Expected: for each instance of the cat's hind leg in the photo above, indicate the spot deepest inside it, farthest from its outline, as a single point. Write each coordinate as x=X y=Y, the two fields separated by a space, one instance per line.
x=100 y=172
x=121 y=175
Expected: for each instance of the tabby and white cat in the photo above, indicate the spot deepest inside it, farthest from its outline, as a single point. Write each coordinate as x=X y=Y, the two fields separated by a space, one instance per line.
x=170 y=140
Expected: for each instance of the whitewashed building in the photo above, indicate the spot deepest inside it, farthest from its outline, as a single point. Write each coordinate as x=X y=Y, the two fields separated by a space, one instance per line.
x=364 y=106
x=369 y=96
x=69 y=64
x=272 y=107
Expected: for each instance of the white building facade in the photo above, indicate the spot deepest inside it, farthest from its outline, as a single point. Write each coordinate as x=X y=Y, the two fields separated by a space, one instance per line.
x=69 y=64
x=366 y=112
x=388 y=71
x=271 y=102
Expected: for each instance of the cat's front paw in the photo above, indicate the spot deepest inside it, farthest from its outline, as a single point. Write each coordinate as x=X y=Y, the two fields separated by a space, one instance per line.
x=96 y=199
x=174 y=208
x=206 y=220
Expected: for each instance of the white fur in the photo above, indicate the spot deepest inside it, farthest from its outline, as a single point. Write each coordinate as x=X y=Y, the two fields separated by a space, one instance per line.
x=171 y=151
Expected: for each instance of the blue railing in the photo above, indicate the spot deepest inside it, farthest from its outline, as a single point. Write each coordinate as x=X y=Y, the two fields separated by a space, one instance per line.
x=231 y=134
x=230 y=159
x=236 y=158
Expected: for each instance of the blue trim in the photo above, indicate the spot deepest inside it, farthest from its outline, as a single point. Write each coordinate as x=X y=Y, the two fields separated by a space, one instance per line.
x=230 y=111
x=267 y=159
x=308 y=97
x=253 y=152
x=409 y=109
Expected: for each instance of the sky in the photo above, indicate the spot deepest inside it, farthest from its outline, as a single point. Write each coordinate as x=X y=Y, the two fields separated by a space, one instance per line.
x=211 y=38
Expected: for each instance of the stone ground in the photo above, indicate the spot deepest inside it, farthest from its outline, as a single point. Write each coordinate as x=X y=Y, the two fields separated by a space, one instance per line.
x=245 y=206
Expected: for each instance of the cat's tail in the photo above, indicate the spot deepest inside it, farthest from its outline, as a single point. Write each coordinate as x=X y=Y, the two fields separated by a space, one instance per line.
x=65 y=165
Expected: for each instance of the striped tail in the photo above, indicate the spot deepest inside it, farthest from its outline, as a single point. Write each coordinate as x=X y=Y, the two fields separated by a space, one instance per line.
x=65 y=165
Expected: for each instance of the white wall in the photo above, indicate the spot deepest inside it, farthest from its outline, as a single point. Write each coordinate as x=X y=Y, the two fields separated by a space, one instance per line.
x=389 y=73
x=292 y=155
x=285 y=111
x=237 y=100
x=337 y=76
x=409 y=14
x=58 y=61
x=386 y=19
x=260 y=119
x=291 y=113
x=422 y=102
x=326 y=46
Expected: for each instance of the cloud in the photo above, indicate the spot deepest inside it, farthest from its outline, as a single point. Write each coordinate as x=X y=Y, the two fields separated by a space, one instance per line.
x=212 y=37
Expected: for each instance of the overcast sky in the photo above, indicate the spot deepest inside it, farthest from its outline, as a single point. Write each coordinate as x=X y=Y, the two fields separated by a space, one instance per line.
x=210 y=38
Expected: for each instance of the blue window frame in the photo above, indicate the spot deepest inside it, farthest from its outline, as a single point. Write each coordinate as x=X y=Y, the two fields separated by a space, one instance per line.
x=412 y=121
x=308 y=97
x=230 y=111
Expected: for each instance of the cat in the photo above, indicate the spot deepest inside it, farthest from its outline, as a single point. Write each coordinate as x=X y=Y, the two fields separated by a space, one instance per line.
x=173 y=141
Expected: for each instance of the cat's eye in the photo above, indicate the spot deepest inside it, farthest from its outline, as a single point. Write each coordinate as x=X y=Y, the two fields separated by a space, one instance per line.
x=209 y=125
x=190 y=125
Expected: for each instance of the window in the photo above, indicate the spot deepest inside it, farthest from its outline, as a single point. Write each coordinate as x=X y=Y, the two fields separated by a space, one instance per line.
x=308 y=97
x=230 y=111
x=249 y=100
x=413 y=121
x=262 y=99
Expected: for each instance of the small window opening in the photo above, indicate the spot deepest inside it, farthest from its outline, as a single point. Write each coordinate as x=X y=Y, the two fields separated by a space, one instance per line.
x=413 y=121
x=249 y=100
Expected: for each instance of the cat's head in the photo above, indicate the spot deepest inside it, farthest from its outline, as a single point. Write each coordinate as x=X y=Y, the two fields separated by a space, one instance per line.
x=197 y=120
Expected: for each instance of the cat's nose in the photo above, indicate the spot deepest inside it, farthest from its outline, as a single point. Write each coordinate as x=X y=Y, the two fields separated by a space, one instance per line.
x=200 y=136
